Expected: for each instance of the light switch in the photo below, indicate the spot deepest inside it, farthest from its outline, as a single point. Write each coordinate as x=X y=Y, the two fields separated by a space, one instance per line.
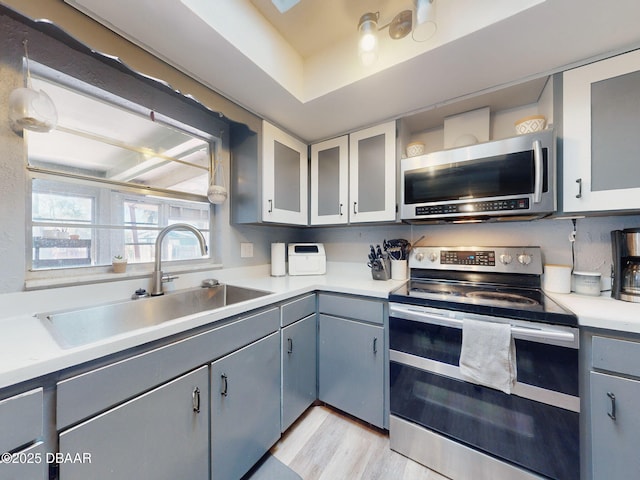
x=246 y=250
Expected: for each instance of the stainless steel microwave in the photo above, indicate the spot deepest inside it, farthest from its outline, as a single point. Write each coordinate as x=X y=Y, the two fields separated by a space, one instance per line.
x=514 y=178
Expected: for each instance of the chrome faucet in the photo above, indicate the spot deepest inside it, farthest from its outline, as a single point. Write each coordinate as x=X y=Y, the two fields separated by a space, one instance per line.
x=157 y=278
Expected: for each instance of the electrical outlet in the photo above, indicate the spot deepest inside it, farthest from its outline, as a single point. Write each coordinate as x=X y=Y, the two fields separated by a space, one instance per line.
x=246 y=250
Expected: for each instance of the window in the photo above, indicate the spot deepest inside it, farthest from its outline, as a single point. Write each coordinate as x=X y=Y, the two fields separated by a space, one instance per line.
x=110 y=177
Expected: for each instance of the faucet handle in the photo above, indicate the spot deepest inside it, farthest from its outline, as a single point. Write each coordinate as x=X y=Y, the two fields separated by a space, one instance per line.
x=169 y=278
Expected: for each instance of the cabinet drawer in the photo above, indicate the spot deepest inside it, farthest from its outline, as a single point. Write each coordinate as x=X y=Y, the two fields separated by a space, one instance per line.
x=615 y=355
x=20 y=419
x=30 y=463
x=300 y=308
x=92 y=392
x=349 y=307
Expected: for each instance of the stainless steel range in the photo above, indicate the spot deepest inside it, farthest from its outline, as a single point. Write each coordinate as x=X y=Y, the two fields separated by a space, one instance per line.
x=460 y=428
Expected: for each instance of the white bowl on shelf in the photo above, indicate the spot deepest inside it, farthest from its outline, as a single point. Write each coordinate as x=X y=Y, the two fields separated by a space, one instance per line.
x=415 y=148
x=530 y=124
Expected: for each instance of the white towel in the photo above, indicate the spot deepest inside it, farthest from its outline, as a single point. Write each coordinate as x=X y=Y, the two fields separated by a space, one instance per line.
x=488 y=355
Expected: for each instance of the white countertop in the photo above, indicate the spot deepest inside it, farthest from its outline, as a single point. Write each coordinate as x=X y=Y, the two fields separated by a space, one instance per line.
x=601 y=312
x=28 y=350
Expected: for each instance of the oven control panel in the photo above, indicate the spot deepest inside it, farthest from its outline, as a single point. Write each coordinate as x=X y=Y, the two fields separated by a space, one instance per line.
x=468 y=257
x=485 y=259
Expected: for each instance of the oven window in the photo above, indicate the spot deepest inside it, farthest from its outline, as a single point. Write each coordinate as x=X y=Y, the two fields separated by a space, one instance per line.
x=502 y=175
x=534 y=435
x=546 y=366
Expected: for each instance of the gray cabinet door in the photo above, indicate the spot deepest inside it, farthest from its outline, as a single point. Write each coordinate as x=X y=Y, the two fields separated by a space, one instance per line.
x=299 y=360
x=31 y=463
x=245 y=407
x=615 y=440
x=158 y=435
x=351 y=367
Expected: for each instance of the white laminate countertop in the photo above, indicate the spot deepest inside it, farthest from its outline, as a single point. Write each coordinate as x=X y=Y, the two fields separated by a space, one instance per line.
x=601 y=312
x=28 y=350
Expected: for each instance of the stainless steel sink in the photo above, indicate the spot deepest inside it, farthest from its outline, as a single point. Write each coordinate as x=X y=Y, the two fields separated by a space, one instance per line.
x=72 y=328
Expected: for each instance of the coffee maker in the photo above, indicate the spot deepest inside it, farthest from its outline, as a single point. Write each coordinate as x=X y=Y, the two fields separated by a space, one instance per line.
x=625 y=281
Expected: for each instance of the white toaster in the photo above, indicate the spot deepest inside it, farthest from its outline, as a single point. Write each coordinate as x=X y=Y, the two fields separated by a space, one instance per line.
x=307 y=259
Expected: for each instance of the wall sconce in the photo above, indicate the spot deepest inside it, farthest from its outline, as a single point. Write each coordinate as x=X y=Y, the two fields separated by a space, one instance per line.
x=425 y=25
x=422 y=29
x=368 y=38
x=30 y=109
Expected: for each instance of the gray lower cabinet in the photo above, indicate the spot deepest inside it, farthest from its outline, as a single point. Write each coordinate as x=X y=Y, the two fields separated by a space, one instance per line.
x=245 y=407
x=21 y=427
x=162 y=434
x=351 y=367
x=614 y=392
x=615 y=427
x=299 y=361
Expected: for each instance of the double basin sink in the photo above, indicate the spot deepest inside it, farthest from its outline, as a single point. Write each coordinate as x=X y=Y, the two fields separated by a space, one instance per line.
x=73 y=328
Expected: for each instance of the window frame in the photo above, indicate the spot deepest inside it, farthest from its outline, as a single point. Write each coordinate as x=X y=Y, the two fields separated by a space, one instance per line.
x=124 y=189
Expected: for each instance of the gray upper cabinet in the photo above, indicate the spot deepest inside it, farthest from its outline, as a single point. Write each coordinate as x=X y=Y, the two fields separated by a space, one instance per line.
x=601 y=145
x=245 y=407
x=330 y=182
x=269 y=176
x=372 y=174
x=353 y=177
x=162 y=434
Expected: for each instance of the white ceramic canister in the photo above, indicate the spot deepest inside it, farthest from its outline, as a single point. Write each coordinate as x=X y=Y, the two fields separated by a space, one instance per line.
x=557 y=278
x=587 y=283
x=278 y=262
x=398 y=269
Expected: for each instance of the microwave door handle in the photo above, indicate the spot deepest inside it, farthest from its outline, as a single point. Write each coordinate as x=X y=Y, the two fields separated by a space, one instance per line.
x=537 y=163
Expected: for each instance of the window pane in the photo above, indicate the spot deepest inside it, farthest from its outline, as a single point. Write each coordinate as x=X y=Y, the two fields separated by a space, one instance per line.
x=77 y=224
x=101 y=140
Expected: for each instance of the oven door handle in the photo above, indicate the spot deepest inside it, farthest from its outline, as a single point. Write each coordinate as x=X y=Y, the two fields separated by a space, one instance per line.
x=523 y=333
x=538 y=169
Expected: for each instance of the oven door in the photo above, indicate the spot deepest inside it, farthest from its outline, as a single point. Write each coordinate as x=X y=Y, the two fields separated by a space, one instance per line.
x=506 y=177
x=535 y=428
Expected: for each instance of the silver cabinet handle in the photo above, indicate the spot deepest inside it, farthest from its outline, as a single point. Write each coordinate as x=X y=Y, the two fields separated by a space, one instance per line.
x=579 y=182
x=340 y=210
x=612 y=398
x=375 y=345
x=195 y=399
x=225 y=385
x=289 y=345
x=270 y=206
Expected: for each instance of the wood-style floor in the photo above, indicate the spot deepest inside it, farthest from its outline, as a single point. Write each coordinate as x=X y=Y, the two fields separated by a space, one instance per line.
x=327 y=445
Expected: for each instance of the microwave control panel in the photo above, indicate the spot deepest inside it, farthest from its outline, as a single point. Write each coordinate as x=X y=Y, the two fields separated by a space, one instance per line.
x=474 y=207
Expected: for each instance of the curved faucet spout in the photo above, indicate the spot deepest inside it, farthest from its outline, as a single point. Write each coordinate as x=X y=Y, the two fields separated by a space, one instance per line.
x=156 y=278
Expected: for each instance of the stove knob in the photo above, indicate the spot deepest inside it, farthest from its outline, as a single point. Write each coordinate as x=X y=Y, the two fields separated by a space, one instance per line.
x=433 y=256
x=506 y=258
x=524 y=258
x=419 y=256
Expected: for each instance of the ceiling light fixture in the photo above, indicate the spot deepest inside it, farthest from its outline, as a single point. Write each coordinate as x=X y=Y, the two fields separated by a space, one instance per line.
x=422 y=29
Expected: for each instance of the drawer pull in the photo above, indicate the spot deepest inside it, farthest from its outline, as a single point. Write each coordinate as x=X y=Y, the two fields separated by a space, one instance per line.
x=225 y=385
x=195 y=399
x=612 y=413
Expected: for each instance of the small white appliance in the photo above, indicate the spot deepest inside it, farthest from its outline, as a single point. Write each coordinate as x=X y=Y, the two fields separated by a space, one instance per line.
x=307 y=259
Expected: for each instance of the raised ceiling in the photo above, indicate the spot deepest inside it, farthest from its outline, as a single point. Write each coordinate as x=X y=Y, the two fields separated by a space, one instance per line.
x=300 y=69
